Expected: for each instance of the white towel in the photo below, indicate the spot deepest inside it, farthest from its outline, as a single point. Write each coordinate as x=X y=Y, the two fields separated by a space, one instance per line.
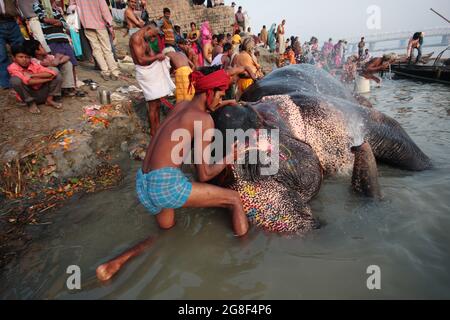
x=155 y=80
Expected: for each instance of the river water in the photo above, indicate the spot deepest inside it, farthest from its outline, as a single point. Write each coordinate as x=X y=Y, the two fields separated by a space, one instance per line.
x=407 y=235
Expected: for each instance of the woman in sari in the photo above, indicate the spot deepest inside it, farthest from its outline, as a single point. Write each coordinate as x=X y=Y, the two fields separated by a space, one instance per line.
x=272 y=38
x=206 y=36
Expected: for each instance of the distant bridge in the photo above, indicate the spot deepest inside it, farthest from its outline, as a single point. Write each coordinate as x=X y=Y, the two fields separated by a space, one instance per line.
x=373 y=42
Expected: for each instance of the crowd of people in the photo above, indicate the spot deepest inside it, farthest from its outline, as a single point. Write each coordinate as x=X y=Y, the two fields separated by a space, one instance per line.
x=205 y=70
x=47 y=39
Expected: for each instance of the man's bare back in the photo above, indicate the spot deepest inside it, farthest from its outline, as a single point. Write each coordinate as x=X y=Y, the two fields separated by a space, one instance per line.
x=178 y=60
x=159 y=153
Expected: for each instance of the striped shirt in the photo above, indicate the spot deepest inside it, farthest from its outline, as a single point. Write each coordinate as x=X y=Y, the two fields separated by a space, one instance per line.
x=93 y=14
x=52 y=33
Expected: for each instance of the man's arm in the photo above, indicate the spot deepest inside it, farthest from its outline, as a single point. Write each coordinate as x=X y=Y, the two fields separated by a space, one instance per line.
x=143 y=59
x=132 y=18
x=206 y=171
x=238 y=70
x=34 y=81
x=60 y=59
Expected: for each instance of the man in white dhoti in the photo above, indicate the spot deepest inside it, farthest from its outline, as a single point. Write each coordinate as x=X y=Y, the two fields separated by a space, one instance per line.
x=152 y=71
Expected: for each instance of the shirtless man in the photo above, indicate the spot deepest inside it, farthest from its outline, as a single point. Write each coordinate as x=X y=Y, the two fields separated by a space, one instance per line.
x=163 y=187
x=145 y=51
x=218 y=48
x=182 y=68
x=186 y=47
x=224 y=58
x=376 y=65
x=133 y=18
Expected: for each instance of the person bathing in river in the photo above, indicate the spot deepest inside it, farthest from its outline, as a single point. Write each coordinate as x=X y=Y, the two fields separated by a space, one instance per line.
x=152 y=70
x=161 y=185
x=376 y=65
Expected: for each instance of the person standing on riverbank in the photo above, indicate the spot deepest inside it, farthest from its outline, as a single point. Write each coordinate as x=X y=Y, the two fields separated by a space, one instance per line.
x=264 y=36
x=165 y=24
x=152 y=71
x=240 y=19
x=280 y=37
x=9 y=34
x=97 y=22
x=34 y=25
x=361 y=47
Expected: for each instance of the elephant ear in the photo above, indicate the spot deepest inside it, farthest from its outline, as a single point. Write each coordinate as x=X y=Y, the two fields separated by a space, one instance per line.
x=271 y=206
x=299 y=168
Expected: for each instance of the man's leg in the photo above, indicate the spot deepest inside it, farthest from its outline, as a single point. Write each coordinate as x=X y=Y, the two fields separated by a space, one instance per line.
x=54 y=90
x=419 y=54
x=153 y=115
x=68 y=78
x=97 y=51
x=9 y=33
x=25 y=93
x=204 y=195
x=105 y=43
x=36 y=29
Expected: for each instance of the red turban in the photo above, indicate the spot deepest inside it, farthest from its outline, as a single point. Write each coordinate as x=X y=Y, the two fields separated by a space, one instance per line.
x=219 y=80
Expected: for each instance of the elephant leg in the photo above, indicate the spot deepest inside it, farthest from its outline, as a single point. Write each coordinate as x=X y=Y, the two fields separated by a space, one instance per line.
x=365 y=172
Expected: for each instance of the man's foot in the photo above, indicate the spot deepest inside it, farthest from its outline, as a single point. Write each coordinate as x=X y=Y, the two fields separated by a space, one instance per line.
x=33 y=108
x=68 y=92
x=54 y=104
x=80 y=93
x=106 y=271
x=114 y=77
x=105 y=77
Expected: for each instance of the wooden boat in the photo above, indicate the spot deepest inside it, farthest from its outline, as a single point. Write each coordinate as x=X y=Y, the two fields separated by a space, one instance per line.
x=438 y=72
x=434 y=73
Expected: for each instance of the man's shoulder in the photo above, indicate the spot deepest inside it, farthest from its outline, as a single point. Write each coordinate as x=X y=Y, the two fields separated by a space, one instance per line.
x=191 y=114
x=13 y=67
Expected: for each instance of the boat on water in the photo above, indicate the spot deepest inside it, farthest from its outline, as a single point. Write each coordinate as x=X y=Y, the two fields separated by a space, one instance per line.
x=438 y=72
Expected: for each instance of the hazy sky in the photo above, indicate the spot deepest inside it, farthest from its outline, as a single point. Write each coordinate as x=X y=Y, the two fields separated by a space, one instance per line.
x=344 y=18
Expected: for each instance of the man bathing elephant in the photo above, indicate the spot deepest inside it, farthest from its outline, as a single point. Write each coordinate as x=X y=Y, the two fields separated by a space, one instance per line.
x=323 y=131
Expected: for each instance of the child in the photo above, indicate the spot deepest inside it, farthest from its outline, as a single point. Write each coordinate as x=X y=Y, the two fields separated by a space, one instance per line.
x=33 y=83
x=60 y=61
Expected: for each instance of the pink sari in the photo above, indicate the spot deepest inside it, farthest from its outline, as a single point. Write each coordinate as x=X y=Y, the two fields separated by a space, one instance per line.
x=205 y=32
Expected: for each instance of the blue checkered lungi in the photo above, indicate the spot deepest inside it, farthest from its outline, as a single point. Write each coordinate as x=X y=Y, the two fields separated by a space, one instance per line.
x=166 y=188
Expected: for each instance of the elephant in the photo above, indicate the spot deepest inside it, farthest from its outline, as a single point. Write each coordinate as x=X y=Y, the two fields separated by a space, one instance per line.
x=324 y=131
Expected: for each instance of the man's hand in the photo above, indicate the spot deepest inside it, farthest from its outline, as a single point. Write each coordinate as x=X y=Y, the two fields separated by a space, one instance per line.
x=113 y=34
x=53 y=22
x=161 y=57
